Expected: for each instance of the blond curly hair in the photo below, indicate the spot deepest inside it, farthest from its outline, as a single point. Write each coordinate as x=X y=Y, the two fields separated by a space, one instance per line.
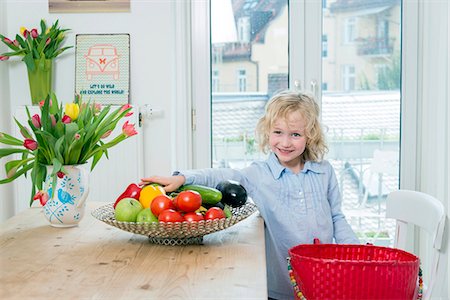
x=285 y=103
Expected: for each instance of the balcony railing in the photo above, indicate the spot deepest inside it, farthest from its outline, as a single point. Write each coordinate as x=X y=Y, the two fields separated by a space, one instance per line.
x=376 y=46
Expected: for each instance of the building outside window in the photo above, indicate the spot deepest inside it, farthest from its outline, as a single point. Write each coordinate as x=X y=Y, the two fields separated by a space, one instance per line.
x=215 y=81
x=350 y=30
x=324 y=45
x=348 y=77
x=242 y=80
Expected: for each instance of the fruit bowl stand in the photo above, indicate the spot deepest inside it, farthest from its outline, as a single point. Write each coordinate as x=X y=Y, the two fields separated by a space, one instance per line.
x=179 y=233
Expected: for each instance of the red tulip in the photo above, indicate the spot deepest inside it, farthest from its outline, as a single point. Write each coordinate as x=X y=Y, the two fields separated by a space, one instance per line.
x=42 y=197
x=30 y=144
x=125 y=107
x=36 y=120
x=128 y=129
x=16 y=43
x=3 y=57
x=34 y=33
x=60 y=174
x=7 y=41
x=26 y=33
x=66 y=119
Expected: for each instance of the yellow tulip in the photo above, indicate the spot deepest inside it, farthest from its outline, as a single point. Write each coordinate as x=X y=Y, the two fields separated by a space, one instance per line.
x=72 y=110
x=22 y=29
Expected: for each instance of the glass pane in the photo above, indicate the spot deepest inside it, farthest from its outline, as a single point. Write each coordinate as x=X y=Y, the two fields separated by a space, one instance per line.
x=249 y=64
x=361 y=108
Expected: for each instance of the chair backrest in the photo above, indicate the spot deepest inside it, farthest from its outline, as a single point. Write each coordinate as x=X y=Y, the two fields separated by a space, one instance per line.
x=423 y=210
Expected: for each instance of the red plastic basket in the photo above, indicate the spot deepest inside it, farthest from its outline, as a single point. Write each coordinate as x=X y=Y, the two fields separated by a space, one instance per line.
x=330 y=271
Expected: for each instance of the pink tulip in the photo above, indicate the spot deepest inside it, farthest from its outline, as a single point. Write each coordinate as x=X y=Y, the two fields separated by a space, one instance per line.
x=7 y=41
x=52 y=118
x=106 y=134
x=66 y=119
x=36 y=120
x=42 y=197
x=128 y=129
x=3 y=57
x=77 y=136
x=48 y=41
x=30 y=144
x=26 y=33
x=16 y=43
x=34 y=33
x=125 y=107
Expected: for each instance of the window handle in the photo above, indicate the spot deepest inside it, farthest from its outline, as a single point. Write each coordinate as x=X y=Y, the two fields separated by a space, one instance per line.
x=298 y=84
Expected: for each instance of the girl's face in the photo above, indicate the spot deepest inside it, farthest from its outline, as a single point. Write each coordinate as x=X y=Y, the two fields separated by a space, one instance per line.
x=288 y=141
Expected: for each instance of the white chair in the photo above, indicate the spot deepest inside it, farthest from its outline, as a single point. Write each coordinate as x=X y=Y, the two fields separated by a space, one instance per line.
x=425 y=211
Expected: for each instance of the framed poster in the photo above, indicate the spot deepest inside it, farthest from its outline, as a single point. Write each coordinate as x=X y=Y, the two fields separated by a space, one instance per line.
x=88 y=6
x=102 y=67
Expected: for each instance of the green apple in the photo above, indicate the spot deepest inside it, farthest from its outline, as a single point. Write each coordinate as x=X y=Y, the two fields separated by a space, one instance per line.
x=127 y=210
x=146 y=216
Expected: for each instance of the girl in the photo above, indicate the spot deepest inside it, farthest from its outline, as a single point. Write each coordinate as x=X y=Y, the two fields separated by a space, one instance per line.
x=295 y=190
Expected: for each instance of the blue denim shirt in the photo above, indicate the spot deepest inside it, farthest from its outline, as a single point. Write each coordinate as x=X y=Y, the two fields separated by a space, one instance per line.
x=296 y=209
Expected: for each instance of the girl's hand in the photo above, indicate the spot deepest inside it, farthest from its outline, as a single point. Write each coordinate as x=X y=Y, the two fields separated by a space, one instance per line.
x=170 y=184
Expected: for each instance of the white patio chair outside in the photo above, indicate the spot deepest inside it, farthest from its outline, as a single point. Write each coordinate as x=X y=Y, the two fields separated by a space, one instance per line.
x=425 y=211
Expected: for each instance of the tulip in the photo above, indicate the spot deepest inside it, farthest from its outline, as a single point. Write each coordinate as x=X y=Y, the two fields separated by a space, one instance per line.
x=30 y=144
x=26 y=33
x=106 y=134
x=72 y=110
x=60 y=174
x=16 y=43
x=48 y=41
x=42 y=102
x=22 y=30
x=3 y=57
x=52 y=118
x=42 y=197
x=36 y=120
x=125 y=107
x=128 y=129
x=77 y=136
x=66 y=119
x=7 y=41
x=34 y=33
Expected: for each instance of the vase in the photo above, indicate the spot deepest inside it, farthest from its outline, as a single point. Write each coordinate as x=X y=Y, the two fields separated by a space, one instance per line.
x=67 y=205
x=40 y=80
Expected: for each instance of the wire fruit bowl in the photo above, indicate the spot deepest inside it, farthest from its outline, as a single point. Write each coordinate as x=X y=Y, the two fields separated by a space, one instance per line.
x=179 y=233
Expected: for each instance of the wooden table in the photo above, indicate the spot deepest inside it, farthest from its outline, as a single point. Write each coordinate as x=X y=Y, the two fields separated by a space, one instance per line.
x=98 y=261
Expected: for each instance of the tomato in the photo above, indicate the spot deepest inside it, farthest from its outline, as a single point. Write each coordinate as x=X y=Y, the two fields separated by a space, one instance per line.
x=193 y=217
x=188 y=201
x=170 y=215
x=160 y=203
x=214 y=213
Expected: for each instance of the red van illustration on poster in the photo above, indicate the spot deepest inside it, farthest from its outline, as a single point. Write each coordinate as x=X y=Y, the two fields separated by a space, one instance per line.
x=102 y=59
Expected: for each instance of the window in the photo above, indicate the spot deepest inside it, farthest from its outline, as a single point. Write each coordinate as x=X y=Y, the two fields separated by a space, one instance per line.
x=348 y=77
x=215 y=81
x=242 y=81
x=324 y=45
x=244 y=29
x=350 y=30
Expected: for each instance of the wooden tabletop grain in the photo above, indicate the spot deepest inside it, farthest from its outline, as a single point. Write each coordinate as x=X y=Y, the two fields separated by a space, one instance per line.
x=97 y=261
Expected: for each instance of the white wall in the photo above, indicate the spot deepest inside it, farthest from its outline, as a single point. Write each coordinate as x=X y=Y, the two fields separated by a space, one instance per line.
x=151 y=25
